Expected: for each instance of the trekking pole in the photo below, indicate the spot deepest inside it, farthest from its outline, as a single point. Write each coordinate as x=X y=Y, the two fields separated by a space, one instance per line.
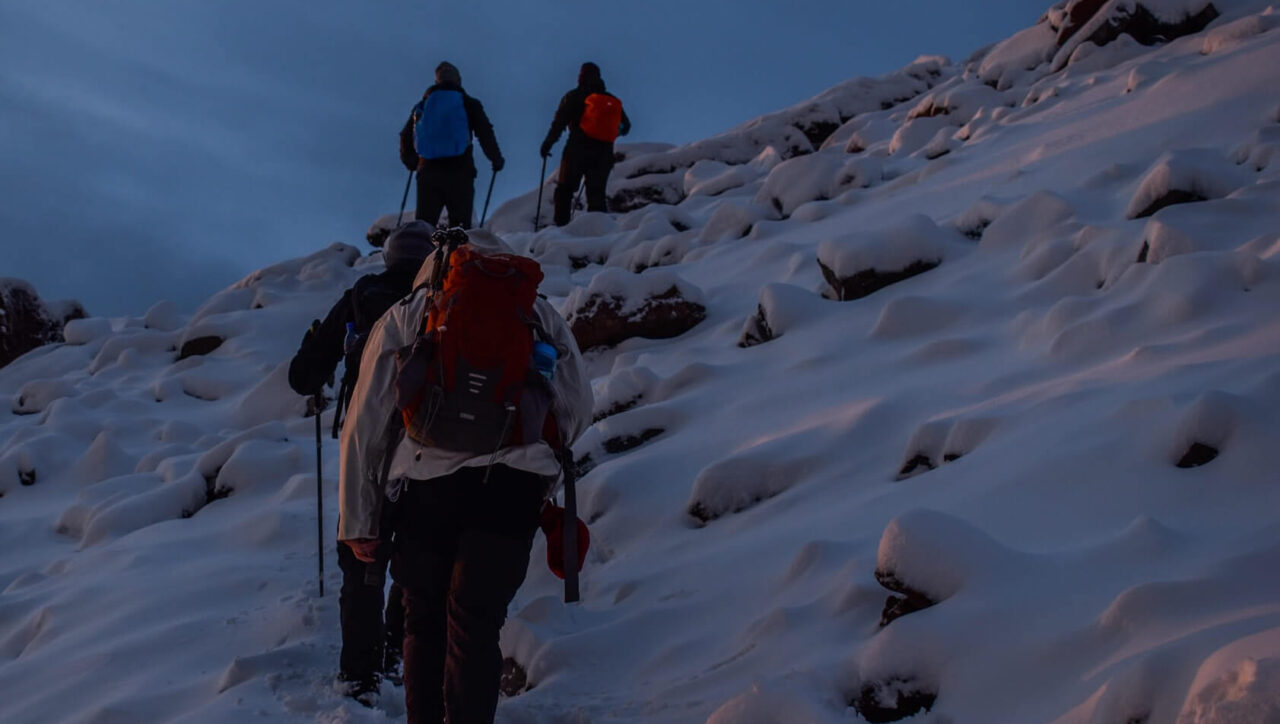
x=542 y=181
x=488 y=196
x=404 y=200
x=319 y=405
x=571 y=593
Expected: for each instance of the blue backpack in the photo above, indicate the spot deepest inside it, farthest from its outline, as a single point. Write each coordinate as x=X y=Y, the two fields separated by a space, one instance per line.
x=442 y=130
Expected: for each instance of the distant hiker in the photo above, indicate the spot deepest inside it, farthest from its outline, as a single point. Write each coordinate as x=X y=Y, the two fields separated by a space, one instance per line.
x=368 y=649
x=460 y=409
x=436 y=142
x=595 y=119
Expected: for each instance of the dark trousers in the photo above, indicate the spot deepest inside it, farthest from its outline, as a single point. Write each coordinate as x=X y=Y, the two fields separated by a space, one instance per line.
x=461 y=552
x=366 y=635
x=450 y=184
x=577 y=164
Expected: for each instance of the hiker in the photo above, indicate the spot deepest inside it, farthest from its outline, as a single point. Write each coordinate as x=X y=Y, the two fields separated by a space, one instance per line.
x=436 y=142
x=370 y=650
x=470 y=487
x=595 y=119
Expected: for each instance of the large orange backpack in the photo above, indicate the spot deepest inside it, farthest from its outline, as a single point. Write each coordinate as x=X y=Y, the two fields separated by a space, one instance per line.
x=468 y=383
x=602 y=117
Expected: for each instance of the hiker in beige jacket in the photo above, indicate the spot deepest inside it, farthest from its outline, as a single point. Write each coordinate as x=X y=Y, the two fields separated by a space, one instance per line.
x=466 y=521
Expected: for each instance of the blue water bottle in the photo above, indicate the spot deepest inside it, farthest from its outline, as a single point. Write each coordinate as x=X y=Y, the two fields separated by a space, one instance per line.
x=544 y=359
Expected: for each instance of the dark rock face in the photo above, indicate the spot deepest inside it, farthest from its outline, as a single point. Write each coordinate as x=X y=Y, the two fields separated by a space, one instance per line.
x=617 y=408
x=757 y=330
x=895 y=607
x=515 y=680
x=600 y=323
x=26 y=322
x=907 y=600
x=868 y=281
x=1175 y=196
x=1139 y=23
x=667 y=188
x=623 y=443
x=1198 y=454
x=818 y=131
x=892 y=700
x=199 y=346
x=919 y=463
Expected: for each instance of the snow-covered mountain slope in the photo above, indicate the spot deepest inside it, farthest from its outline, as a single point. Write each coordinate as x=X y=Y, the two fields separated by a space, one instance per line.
x=1048 y=439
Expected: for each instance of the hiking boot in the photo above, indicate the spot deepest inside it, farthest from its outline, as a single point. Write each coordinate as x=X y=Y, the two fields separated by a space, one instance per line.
x=365 y=690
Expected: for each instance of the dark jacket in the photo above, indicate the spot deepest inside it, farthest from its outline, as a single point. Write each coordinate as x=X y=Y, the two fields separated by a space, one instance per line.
x=322 y=347
x=479 y=123
x=569 y=115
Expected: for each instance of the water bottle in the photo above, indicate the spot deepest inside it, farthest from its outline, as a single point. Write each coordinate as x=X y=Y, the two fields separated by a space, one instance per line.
x=544 y=359
x=352 y=339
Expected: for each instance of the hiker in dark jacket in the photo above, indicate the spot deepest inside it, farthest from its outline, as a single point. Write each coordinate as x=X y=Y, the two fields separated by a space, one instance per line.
x=436 y=142
x=369 y=648
x=589 y=115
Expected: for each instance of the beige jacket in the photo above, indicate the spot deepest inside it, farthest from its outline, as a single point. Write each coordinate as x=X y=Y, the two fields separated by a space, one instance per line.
x=365 y=433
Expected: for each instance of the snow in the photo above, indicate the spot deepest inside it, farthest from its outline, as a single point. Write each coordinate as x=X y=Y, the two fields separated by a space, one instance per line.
x=915 y=238
x=1014 y=60
x=1001 y=433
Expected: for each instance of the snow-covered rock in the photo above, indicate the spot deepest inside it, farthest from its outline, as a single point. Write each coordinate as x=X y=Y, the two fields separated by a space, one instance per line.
x=620 y=305
x=863 y=262
x=1185 y=176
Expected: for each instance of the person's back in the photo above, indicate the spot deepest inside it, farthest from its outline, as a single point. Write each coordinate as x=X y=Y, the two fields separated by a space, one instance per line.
x=370 y=647
x=594 y=118
x=436 y=143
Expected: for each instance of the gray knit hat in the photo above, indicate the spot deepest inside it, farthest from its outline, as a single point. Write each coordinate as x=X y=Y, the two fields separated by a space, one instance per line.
x=447 y=72
x=409 y=245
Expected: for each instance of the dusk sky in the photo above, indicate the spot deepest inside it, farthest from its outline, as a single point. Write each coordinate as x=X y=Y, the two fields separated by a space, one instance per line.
x=161 y=150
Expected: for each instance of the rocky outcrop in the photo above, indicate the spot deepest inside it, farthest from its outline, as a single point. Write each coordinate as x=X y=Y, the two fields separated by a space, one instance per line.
x=26 y=322
x=867 y=281
x=604 y=321
x=1102 y=21
x=905 y=600
x=515 y=680
x=1108 y=20
x=893 y=699
x=199 y=346
x=1197 y=454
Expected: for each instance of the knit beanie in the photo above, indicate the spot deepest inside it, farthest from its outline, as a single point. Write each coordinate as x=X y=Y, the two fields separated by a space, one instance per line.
x=409 y=245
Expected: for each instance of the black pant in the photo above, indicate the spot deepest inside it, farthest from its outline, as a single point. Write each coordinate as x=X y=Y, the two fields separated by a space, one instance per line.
x=447 y=183
x=461 y=552
x=577 y=163
x=365 y=634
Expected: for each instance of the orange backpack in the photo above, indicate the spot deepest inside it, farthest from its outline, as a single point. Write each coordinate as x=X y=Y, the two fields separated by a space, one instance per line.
x=602 y=117
x=467 y=384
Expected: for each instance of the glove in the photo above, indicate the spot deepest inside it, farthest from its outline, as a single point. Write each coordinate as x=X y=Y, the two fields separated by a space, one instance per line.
x=546 y=149
x=499 y=164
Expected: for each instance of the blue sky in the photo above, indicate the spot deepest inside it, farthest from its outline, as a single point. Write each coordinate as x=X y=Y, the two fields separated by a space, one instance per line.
x=161 y=150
